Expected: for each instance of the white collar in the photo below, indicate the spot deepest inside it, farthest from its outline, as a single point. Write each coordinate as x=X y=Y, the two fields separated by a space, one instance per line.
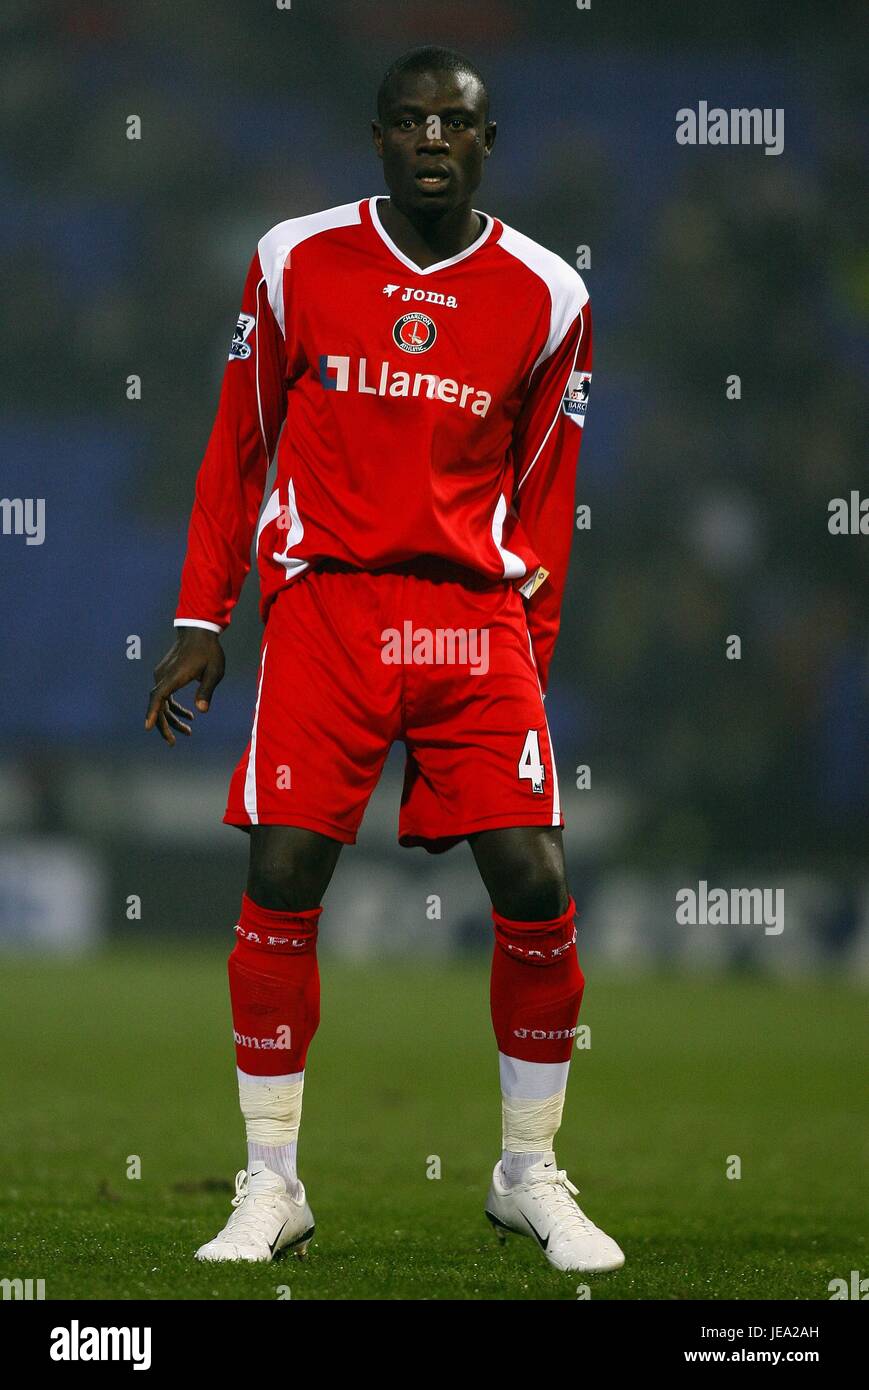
x=488 y=221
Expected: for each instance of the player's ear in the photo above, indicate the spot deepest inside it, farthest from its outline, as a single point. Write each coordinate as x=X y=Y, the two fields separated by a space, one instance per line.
x=377 y=135
x=489 y=136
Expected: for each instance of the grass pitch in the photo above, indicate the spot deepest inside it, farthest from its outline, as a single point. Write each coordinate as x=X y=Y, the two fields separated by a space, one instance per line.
x=129 y=1054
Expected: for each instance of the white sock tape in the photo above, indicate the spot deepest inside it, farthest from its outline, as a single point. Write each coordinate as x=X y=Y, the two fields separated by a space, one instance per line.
x=530 y=1126
x=272 y=1110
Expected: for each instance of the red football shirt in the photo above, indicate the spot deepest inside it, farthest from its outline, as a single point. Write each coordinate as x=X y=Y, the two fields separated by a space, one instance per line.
x=432 y=412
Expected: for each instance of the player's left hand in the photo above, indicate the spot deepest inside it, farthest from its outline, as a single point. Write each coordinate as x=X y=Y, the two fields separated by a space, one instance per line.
x=171 y=715
x=196 y=655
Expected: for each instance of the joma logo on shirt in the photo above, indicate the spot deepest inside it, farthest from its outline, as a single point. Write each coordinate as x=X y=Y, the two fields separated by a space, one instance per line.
x=335 y=375
x=448 y=301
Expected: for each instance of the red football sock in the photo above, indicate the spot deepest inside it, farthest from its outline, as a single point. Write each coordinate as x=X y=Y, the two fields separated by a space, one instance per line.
x=274 y=986
x=536 y=987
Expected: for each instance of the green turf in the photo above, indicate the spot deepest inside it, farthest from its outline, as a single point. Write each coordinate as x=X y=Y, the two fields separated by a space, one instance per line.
x=129 y=1054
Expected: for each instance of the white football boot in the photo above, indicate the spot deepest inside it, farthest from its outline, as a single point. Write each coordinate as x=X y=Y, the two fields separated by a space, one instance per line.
x=542 y=1206
x=266 y=1219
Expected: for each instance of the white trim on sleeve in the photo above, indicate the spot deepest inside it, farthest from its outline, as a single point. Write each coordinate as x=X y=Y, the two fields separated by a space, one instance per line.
x=282 y=239
x=198 y=622
x=567 y=290
x=560 y=403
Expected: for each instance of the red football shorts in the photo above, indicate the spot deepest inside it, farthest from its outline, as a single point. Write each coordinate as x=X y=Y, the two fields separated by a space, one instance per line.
x=424 y=653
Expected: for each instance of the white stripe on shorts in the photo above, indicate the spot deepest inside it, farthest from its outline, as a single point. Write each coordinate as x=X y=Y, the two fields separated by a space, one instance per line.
x=556 y=795
x=250 y=774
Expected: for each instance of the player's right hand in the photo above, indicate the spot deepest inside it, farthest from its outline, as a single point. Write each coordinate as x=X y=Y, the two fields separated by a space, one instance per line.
x=196 y=655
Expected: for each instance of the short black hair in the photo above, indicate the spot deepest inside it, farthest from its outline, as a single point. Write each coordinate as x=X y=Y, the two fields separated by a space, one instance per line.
x=428 y=59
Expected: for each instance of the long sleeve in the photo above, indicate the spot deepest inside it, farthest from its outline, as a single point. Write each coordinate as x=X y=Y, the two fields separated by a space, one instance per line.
x=231 y=478
x=546 y=445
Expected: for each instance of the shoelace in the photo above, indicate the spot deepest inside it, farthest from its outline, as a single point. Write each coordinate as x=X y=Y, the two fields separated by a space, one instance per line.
x=560 y=1194
x=242 y=1183
x=254 y=1211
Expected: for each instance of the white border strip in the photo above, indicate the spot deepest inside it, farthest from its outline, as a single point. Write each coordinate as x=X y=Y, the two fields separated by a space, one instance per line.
x=556 y=794
x=198 y=622
x=439 y=265
x=560 y=405
x=250 y=772
x=521 y=1080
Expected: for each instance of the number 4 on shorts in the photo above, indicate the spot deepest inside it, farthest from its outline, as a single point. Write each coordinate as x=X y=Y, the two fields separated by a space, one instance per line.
x=530 y=766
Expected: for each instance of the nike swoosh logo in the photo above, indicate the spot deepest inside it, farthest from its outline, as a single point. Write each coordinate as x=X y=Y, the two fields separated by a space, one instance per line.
x=278 y=1236
x=543 y=1243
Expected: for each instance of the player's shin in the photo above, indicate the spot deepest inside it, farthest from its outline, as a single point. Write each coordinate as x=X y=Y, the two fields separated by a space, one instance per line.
x=536 y=991
x=274 y=987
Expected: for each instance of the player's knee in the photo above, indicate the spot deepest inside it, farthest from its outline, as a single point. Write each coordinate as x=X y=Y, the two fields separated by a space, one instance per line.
x=534 y=914
x=524 y=871
x=289 y=869
x=536 y=892
x=283 y=887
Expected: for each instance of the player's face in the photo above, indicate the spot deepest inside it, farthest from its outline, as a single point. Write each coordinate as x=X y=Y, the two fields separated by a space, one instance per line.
x=433 y=140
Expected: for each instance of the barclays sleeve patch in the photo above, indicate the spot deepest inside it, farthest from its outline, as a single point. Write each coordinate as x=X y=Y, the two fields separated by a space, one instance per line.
x=575 y=402
x=240 y=347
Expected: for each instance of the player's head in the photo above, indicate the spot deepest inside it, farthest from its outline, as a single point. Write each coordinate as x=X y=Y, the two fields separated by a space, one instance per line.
x=432 y=131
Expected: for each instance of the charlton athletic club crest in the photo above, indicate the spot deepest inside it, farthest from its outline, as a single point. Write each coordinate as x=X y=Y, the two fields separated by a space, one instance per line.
x=414 y=332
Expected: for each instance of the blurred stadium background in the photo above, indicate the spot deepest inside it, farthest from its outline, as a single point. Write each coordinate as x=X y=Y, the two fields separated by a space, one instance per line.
x=709 y=516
